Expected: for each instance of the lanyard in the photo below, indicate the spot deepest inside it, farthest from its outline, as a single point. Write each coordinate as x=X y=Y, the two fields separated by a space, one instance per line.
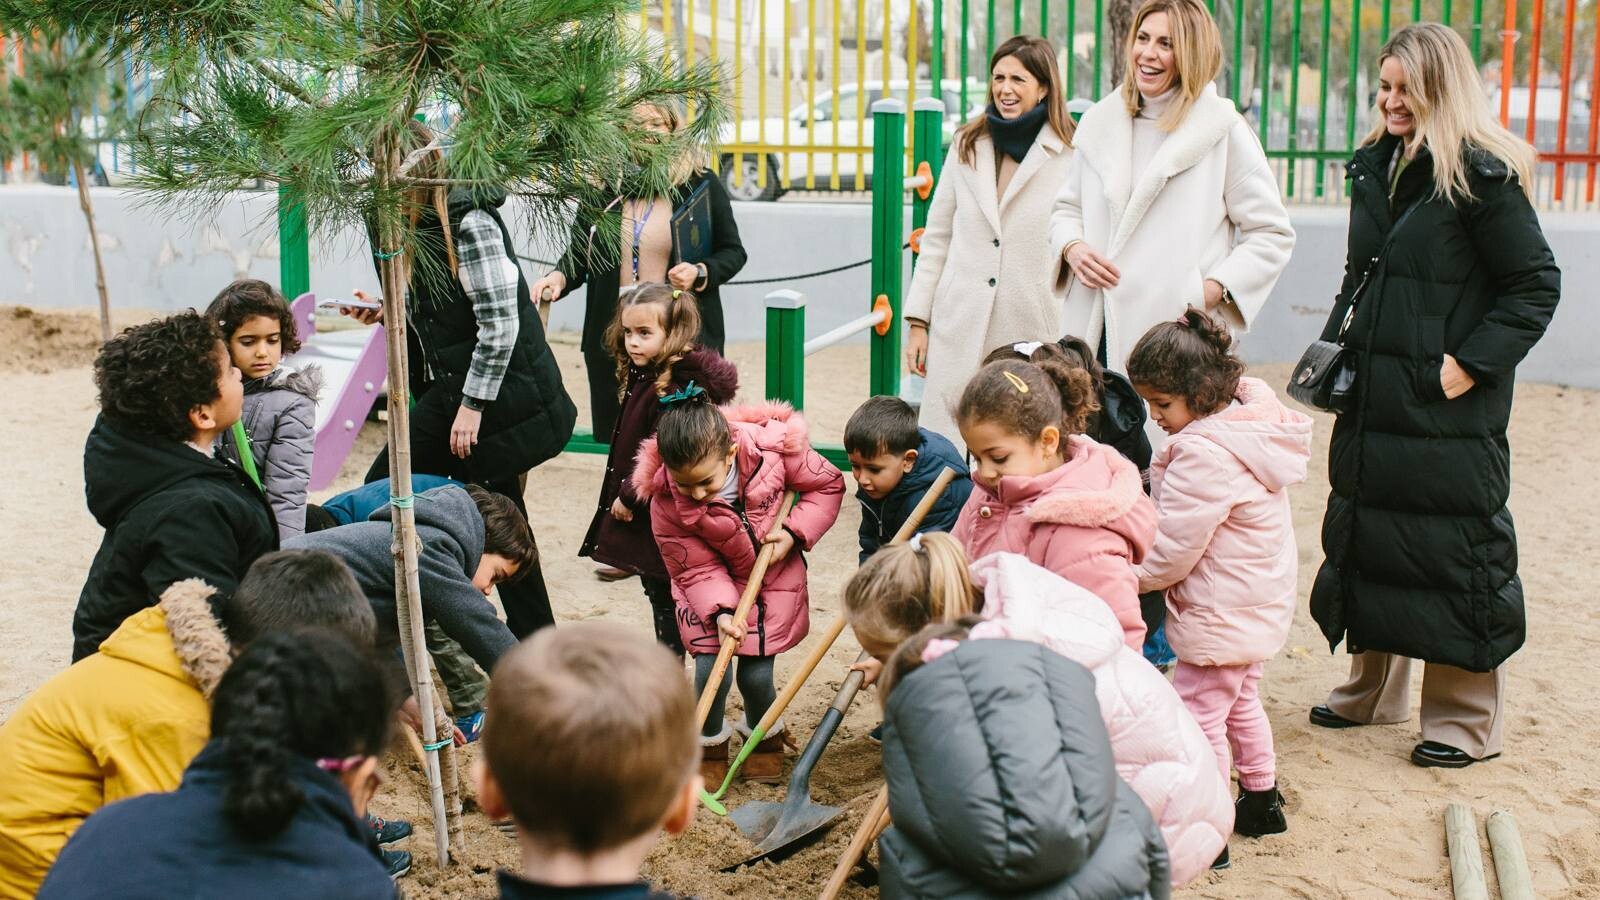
x=639 y=222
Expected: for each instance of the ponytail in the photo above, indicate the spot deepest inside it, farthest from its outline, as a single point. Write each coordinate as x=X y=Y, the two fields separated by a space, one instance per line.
x=1192 y=358
x=304 y=693
x=1071 y=367
x=1025 y=398
x=903 y=587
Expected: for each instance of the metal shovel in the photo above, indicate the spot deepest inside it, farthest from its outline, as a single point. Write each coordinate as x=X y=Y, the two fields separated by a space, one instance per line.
x=782 y=828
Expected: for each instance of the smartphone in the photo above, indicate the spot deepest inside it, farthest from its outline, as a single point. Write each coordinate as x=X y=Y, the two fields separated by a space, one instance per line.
x=331 y=303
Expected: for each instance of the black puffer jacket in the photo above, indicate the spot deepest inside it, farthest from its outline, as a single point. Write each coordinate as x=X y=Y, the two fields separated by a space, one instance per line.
x=1002 y=784
x=1421 y=554
x=170 y=513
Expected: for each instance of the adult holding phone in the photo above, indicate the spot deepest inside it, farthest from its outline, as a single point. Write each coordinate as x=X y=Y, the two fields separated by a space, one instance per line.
x=1421 y=553
x=650 y=251
x=982 y=278
x=1169 y=201
x=488 y=402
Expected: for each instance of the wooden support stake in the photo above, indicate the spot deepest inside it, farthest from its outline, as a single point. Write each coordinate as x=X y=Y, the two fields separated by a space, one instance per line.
x=1466 y=860
x=872 y=825
x=1510 y=860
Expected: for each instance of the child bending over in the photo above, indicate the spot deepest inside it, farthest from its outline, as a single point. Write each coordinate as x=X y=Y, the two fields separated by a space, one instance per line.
x=1158 y=748
x=280 y=404
x=715 y=481
x=1001 y=779
x=1046 y=491
x=1225 y=552
x=895 y=462
x=171 y=510
x=587 y=820
x=653 y=341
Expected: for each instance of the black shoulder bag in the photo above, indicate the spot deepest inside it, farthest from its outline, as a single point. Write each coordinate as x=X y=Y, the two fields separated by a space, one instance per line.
x=1325 y=377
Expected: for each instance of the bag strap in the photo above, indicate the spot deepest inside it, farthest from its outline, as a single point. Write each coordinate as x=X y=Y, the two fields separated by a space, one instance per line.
x=1355 y=296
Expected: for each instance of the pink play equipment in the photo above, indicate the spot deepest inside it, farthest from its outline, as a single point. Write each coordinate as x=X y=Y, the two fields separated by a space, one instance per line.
x=353 y=368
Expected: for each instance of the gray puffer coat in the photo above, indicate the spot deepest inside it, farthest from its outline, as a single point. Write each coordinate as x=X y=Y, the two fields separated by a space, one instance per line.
x=1002 y=784
x=280 y=415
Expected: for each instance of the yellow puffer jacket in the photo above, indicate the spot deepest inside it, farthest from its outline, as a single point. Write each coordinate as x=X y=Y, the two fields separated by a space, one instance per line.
x=124 y=721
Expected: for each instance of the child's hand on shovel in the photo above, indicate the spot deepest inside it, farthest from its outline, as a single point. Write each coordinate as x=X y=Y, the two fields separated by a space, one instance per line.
x=730 y=628
x=870 y=669
x=782 y=542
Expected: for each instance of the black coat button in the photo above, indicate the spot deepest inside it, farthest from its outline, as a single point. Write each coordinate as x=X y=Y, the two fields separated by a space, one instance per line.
x=991 y=282
x=997 y=242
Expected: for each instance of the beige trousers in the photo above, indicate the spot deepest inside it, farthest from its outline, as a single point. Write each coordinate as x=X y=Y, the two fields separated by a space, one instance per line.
x=1459 y=708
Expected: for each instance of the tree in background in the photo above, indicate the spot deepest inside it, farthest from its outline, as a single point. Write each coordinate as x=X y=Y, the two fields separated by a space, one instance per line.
x=44 y=114
x=318 y=97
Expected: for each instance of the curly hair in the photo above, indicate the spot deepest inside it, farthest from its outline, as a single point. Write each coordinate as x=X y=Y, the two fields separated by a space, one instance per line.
x=247 y=298
x=677 y=314
x=150 y=376
x=1192 y=358
x=1027 y=397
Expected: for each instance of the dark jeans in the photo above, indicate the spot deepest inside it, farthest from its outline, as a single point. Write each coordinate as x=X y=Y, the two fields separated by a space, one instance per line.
x=663 y=612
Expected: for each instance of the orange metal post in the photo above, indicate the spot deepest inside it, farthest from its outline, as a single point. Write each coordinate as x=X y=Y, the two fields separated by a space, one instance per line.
x=1533 y=64
x=1594 y=115
x=1508 y=59
x=1569 y=28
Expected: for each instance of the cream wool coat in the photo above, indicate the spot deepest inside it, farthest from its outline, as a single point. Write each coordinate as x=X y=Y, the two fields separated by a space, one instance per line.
x=983 y=278
x=1206 y=206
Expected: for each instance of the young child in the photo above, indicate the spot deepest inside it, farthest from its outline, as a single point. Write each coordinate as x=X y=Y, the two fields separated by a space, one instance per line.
x=592 y=754
x=715 y=481
x=1159 y=750
x=273 y=805
x=1225 y=552
x=280 y=404
x=128 y=718
x=171 y=511
x=1001 y=779
x=652 y=340
x=1044 y=490
x=895 y=463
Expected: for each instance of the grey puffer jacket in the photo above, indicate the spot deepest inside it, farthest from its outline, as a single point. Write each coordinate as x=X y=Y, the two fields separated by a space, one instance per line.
x=280 y=415
x=1002 y=784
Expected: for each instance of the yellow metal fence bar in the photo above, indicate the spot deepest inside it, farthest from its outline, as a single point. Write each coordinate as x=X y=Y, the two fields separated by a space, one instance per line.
x=811 y=94
x=763 y=167
x=834 y=67
x=861 y=92
x=911 y=83
x=787 y=169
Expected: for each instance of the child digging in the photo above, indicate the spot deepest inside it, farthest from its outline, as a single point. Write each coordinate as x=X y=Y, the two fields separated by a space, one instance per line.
x=894 y=463
x=280 y=404
x=586 y=820
x=170 y=509
x=652 y=340
x=1225 y=550
x=715 y=481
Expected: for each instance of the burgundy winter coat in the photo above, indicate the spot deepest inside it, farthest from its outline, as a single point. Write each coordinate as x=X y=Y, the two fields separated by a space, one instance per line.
x=630 y=546
x=710 y=548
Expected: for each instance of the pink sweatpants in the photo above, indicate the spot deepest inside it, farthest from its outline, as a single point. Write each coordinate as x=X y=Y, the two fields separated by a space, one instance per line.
x=1225 y=701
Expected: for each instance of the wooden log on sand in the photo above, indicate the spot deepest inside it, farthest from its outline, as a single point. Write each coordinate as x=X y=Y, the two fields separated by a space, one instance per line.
x=1510 y=861
x=1466 y=860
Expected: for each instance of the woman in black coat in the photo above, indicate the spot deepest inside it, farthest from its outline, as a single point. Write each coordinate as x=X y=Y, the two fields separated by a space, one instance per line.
x=648 y=252
x=1421 y=554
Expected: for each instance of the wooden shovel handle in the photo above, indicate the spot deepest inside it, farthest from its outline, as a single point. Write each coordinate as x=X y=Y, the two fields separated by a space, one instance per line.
x=544 y=313
x=872 y=824
x=920 y=511
x=758 y=573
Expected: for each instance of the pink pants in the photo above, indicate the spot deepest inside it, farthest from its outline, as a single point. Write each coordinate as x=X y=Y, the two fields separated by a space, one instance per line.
x=1224 y=700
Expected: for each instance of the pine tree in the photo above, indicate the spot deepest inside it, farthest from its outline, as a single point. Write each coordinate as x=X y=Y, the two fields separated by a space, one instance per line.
x=318 y=96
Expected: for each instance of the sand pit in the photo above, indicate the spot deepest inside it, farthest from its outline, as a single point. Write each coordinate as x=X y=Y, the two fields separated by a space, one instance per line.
x=1363 y=821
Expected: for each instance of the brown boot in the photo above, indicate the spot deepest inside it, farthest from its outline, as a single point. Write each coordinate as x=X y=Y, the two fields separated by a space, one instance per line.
x=765 y=763
x=714 y=758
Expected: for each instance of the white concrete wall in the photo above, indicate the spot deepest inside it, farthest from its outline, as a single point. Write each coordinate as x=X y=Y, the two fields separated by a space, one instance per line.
x=154 y=262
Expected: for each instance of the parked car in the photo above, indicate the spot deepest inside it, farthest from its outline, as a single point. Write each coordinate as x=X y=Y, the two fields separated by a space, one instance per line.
x=814 y=125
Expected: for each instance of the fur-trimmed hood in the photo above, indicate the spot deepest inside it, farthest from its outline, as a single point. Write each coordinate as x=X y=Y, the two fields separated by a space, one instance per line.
x=709 y=370
x=1268 y=438
x=190 y=643
x=1104 y=488
x=771 y=425
x=307 y=382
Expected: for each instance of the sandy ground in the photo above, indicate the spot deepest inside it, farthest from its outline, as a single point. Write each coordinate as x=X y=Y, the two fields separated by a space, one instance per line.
x=1364 y=822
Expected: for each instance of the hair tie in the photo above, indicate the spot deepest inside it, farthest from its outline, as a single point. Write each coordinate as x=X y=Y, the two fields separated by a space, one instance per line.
x=690 y=392
x=1183 y=319
x=915 y=543
x=335 y=765
x=1027 y=348
x=937 y=648
x=676 y=293
x=1016 y=382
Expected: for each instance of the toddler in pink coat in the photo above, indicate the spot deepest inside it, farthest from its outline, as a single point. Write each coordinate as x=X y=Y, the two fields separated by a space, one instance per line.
x=1225 y=550
x=715 y=480
x=1044 y=490
x=1160 y=752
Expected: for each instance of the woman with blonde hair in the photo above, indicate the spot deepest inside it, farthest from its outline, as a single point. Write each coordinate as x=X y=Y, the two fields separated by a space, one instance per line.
x=1448 y=283
x=982 y=278
x=1169 y=201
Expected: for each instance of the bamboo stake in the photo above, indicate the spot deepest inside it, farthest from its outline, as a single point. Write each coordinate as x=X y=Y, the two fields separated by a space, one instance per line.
x=1510 y=861
x=94 y=243
x=1466 y=860
x=872 y=824
x=404 y=545
x=450 y=776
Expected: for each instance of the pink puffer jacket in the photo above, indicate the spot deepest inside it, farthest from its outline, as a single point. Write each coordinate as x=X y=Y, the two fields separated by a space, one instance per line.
x=709 y=548
x=1225 y=551
x=1088 y=521
x=1160 y=750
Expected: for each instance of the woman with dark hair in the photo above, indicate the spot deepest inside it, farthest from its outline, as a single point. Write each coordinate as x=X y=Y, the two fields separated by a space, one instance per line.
x=273 y=806
x=982 y=278
x=1421 y=553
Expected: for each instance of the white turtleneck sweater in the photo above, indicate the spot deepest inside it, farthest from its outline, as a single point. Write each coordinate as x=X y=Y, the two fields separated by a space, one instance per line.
x=1147 y=133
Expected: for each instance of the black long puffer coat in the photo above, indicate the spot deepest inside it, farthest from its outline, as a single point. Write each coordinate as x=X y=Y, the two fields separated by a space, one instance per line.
x=1421 y=553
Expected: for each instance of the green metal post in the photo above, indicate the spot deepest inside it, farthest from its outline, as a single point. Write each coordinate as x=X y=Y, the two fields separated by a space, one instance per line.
x=294 y=247
x=988 y=35
x=1444 y=12
x=1099 y=49
x=927 y=116
x=888 y=235
x=936 y=57
x=1044 y=19
x=1416 y=10
x=1383 y=24
x=1238 y=50
x=786 y=347
x=1294 y=93
x=1016 y=16
x=966 y=36
x=1322 y=91
x=1355 y=76
x=1265 y=116
x=1477 y=32
x=1072 y=45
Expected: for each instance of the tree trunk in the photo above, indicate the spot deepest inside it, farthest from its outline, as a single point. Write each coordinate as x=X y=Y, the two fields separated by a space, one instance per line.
x=94 y=242
x=405 y=545
x=1119 y=16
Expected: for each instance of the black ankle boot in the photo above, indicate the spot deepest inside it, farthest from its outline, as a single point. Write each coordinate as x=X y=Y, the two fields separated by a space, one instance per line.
x=1222 y=861
x=1259 y=812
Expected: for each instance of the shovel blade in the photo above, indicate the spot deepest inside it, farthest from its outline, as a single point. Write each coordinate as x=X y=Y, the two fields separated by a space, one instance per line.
x=795 y=827
x=756 y=819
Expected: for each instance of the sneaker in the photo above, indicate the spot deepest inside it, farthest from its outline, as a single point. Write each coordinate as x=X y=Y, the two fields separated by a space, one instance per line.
x=388 y=832
x=876 y=734
x=471 y=726
x=1259 y=812
x=398 y=862
x=1222 y=861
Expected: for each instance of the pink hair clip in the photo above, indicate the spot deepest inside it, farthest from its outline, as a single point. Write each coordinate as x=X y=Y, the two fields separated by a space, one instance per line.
x=937 y=648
